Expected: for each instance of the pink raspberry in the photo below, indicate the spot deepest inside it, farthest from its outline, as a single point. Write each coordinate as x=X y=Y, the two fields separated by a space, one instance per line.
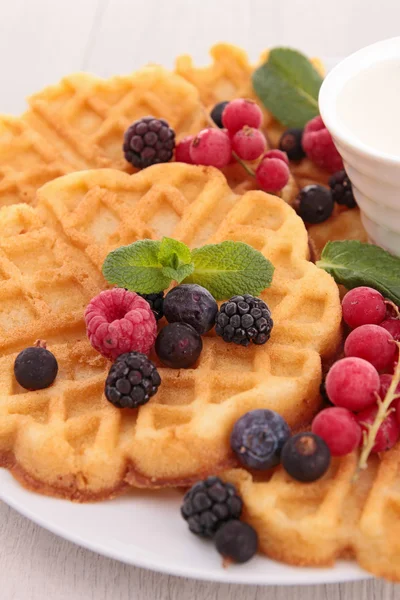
x=272 y=174
x=119 y=321
x=319 y=147
x=277 y=154
x=211 y=147
x=182 y=150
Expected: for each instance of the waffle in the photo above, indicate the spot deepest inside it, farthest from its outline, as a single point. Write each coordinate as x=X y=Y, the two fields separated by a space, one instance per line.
x=79 y=124
x=68 y=440
x=315 y=524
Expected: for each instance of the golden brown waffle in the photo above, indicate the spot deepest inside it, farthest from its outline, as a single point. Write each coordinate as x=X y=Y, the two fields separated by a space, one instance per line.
x=315 y=524
x=343 y=225
x=68 y=439
x=79 y=124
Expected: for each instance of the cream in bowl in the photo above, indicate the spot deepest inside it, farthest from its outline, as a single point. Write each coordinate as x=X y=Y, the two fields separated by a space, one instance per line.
x=360 y=105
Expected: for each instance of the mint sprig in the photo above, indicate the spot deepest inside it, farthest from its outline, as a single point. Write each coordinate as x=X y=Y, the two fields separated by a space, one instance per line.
x=288 y=86
x=225 y=269
x=352 y=264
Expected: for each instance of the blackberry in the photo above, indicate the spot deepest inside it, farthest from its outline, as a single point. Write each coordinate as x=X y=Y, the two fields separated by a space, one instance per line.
x=148 y=141
x=156 y=302
x=306 y=457
x=290 y=143
x=315 y=203
x=237 y=541
x=342 y=190
x=209 y=504
x=244 y=319
x=216 y=113
x=35 y=368
x=132 y=380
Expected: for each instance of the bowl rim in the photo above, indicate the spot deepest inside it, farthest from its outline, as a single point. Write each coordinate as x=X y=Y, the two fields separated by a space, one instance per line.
x=333 y=84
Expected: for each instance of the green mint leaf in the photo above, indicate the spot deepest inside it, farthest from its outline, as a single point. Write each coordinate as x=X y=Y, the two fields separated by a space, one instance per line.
x=173 y=253
x=288 y=86
x=352 y=263
x=137 y=268
x=178 y=274
x=230 y=268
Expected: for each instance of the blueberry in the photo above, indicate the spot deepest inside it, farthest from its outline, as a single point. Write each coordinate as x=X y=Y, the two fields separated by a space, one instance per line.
x=306 y=457
x=178 y=345
x=315 y=203
x=258 y=437
x=236 y=540
x=290 y=143
x=35 y=368
x=192 y=304
x=216 y=113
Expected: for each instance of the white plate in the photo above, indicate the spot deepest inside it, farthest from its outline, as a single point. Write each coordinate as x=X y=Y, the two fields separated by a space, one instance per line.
x=146 y=530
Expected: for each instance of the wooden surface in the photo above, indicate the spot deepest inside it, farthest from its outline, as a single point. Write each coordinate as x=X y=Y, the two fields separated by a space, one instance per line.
x=40 y=41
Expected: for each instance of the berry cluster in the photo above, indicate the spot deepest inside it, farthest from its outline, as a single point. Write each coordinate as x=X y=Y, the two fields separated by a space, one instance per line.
x=357 y=383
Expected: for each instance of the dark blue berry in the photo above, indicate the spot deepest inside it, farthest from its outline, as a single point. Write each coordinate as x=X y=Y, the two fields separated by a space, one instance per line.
x=306 y=457
x=315 y=203
x=216 y=113
x=132 y=380
x=192 y=304
x=290 y=143
x=342 y=190
x=178 y=345
x=258 y=437
x=236 y=540
x=35 y=368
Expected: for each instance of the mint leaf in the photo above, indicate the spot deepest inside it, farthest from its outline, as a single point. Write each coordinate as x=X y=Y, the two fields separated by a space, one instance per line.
x=352 y=263
x=173 y=253
x=179 y=273
x=288 y=86
x=230 y=268
x=137 y=268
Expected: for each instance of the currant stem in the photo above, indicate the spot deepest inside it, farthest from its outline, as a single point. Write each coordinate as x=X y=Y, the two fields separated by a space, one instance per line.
x=383 y=411
x=395 y=308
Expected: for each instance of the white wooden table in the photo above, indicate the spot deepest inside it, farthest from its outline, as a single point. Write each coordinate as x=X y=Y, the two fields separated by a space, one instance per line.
x=42 y=40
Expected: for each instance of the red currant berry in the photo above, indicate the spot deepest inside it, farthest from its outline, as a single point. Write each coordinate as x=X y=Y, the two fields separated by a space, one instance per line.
x=393 y=327
x=182 y=150
x=363 y=306
x=352 y=383
x=372 y=343
x=386 y=380
x=388 y=432
x=277 y=154
x=211 y=147
x=272 y=174
x=248 y=143
x=241 y=112
x=339 y=430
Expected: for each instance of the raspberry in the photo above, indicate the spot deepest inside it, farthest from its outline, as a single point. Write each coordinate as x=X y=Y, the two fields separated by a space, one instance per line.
x=315 y=203
x=363 y=306
x=393 y=327
x=118 y=321
x=148 y=141
x=182 y=150
x=248 y=143
x=339 y=429
x=209 y=504
x=372 y=343
x=290 y=143
x=352 y=383
x=241 y=112
x=131 y=381
x=388 y=432
x=211 y=147
x=342 y=190
x=277 y=154
x=272 y=174
x=319 y=147
x=244 y=319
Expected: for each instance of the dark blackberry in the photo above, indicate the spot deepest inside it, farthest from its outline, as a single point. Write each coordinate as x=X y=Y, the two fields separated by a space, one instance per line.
x=35 y=368
x=237 y=541
x=132 y=380
x=314 y=203
x=290 y=143
x=244 y=319
x=209 y=504
x=156 y=302
x=216 y=113
x=306 y=457
x=149 y=141
x=342 y=190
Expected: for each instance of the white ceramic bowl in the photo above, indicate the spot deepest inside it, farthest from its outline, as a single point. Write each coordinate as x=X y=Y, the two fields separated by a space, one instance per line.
x=375 y=175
